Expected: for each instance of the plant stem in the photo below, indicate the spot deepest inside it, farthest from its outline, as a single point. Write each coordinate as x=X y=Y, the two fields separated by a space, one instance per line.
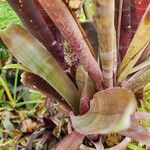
x=105 y=12
x=15 y=83
x=4 y=84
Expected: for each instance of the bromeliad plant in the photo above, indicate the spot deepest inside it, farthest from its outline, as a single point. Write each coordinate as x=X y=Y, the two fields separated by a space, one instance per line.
x=97 y=103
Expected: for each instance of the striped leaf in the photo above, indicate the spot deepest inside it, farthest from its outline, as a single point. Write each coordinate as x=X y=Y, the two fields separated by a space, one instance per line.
x=63 y=19
x=140 y=41
x=138 y=80
x=36 y=83
x=40 y=25
x=32 y=54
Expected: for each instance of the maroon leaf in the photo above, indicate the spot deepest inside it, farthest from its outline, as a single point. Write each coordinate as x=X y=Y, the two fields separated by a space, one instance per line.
x=34 y=22
x=65 y=22
x=71 y=141
x=59 y=46
x=138 y=9
x=132 y=12
x=84 y=101
x=125 y=35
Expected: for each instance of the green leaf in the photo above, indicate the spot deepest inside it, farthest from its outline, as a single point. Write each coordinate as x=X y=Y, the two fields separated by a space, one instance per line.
x=27 y=49
x=1 y=93
x=109 y=112
x=6 y=122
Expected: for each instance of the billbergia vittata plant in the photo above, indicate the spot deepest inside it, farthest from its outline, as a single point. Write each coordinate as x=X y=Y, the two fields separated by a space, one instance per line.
x=97 y=90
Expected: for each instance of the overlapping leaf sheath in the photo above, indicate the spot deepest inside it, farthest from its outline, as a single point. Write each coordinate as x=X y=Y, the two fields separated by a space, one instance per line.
x=27 y=49
x=63 y=19
x=86 y=89
x=140 y=41
x=35 y=23
x=107 y=39
x=58 y=48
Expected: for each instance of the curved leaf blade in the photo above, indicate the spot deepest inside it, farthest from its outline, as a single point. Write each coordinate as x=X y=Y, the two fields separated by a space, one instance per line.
x=36 y=83
x=32 y=54
x=109 y=112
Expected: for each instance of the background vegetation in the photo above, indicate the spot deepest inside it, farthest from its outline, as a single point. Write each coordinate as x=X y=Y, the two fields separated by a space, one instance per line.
x=12 y=122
